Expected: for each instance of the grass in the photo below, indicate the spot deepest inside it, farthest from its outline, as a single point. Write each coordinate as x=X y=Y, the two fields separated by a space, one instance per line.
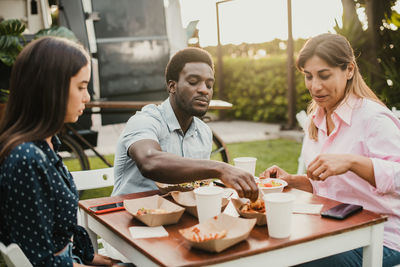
x=281 y=152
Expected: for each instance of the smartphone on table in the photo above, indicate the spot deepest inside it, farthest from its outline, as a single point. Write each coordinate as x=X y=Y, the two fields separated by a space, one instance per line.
x=108 y=207
x=341 y=211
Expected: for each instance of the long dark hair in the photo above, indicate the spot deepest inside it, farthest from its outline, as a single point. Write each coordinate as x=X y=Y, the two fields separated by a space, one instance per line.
x=335 y=50
x=39 y=90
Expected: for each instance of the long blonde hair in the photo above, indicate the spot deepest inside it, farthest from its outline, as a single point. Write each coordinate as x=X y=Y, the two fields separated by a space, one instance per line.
x=337 y=52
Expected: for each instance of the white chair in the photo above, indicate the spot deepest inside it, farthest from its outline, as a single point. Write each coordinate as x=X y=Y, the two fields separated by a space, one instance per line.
x=396 y=112
x=301 y=119
x=93 y=179
x=14 y=256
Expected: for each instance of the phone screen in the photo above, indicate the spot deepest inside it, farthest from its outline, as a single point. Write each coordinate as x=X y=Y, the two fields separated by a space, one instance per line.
x=107 y=206
x=341 y=211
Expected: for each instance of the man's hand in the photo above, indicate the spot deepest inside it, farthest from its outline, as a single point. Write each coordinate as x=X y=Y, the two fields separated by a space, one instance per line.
x=240 y=180
x=326 y=165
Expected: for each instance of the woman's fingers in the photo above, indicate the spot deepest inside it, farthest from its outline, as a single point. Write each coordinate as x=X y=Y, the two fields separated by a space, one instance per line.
x=271 y=172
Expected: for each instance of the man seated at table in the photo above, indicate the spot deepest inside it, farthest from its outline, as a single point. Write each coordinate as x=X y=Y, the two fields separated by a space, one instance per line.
x=168 y=143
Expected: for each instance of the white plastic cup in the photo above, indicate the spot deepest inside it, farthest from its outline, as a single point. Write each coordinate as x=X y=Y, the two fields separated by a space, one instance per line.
x=278 y=209
x=246 y=163
x=208 y=202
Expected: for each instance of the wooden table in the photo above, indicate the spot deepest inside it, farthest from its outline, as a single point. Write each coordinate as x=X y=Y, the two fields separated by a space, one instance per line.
x=312 y=237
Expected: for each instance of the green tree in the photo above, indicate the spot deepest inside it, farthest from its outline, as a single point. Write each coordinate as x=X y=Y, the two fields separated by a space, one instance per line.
x=376 y=44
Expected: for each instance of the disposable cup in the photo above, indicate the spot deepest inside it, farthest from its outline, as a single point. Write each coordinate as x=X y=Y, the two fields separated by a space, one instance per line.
x=246 y=163
x=208 y=202
x=278 y=207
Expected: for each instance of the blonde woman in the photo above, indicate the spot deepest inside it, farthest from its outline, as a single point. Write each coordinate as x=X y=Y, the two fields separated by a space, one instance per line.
x=352 y=145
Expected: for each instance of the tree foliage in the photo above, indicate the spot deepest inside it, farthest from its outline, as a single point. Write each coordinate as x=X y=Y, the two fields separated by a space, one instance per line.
x=257 y=88
x=274 y=47
x=376 y=45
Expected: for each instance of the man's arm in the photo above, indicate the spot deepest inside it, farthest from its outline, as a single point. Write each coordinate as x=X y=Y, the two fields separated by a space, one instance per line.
x=165 y=167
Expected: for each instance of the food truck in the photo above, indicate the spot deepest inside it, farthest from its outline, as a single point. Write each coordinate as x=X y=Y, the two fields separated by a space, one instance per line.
x=130 y=42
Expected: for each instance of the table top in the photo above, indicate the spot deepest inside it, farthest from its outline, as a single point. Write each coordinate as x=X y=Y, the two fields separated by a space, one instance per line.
x=175 y=250
x=214 y=104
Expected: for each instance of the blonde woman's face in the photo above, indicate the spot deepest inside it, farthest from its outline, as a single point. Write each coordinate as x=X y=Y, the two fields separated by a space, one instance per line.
x=326 y=84
x=78 y=94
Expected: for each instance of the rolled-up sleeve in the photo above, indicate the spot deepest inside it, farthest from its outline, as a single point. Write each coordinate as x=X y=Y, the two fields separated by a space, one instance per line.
x=383 y=145
x=139 y=128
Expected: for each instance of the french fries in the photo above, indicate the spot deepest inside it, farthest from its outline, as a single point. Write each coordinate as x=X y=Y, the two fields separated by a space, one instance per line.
x=197 y=236
x=143 y=211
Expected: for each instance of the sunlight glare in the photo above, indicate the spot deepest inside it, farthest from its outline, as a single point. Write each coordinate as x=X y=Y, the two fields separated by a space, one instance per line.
x=256 y=21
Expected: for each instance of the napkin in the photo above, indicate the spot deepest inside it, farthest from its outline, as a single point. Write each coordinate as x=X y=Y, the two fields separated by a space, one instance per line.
x=307 y=208
x=147 y=232
x=230 y=210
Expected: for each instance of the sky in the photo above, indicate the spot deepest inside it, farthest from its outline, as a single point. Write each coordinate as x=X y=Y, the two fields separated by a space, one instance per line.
x=257 y=21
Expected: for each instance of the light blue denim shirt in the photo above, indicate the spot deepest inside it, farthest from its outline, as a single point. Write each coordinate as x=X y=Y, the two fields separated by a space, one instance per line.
x=157 y=123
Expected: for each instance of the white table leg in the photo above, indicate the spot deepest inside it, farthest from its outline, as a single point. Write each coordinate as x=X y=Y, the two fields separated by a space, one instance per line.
x=372 y=254
x=92 y=235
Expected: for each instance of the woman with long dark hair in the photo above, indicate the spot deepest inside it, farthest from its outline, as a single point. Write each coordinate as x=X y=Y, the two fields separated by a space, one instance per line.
x=38 y=197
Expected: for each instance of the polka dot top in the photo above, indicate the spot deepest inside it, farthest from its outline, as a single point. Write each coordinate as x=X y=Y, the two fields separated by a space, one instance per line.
x=38 y=204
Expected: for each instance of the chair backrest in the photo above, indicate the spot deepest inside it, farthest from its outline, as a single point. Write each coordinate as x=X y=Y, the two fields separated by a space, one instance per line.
x=14 y=256
x=396 y=112
x=92 y=179
x=301 y=119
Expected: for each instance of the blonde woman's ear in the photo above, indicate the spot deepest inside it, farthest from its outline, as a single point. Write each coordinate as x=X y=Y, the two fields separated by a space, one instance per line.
x=350 y=69
x=350 y=75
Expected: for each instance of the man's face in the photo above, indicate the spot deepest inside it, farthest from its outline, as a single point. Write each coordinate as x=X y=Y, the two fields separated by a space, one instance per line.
x=194 y=89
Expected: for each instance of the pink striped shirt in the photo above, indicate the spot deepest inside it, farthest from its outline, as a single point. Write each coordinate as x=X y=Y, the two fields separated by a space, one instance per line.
x=366 y=128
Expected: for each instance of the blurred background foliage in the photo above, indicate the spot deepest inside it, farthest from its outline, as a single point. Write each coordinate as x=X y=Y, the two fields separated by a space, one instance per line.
x=257 y=88
x=255 y=78
x=376 y=43
x=255 y=75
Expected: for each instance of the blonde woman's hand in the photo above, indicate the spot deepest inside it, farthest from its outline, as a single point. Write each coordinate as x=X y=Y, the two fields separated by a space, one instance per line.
x=296 y=181
x=275 y=172
x=326 y=165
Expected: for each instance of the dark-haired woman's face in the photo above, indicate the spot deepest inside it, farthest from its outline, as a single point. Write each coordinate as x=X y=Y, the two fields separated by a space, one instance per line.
x=325 y=83
x=78 y=94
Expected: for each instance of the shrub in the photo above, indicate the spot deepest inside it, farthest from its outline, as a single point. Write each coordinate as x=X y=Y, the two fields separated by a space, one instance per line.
x=257 y=88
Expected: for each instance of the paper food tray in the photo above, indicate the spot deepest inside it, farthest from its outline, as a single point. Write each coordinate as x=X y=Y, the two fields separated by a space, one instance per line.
x=174 y=211
x=237 y=229
x=260 y=217
x=165 y=188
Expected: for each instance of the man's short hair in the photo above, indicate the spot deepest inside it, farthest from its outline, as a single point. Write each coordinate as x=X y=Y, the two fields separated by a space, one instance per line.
x=186 y=55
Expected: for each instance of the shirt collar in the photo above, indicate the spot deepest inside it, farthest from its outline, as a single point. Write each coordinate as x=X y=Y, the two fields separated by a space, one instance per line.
x=44 y=146
x=56 y=143
x=172 y=121
x=344 y=111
